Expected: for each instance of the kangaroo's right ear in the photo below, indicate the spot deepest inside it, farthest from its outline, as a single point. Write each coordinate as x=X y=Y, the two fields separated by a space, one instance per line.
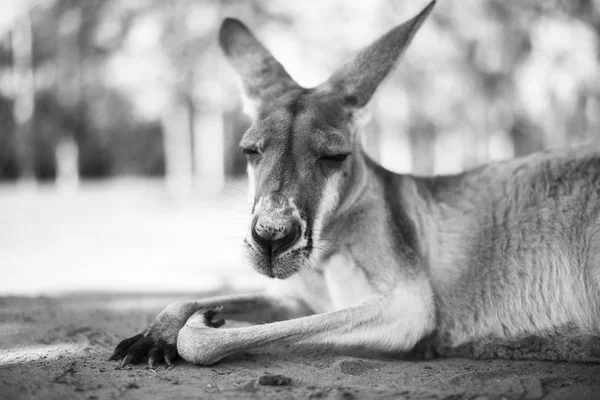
x=263 y=77
x=356 y=81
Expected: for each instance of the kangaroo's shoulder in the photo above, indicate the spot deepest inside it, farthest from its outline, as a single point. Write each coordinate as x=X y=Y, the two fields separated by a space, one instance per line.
x=562 y=167
x=576 y=159
x=555 y=175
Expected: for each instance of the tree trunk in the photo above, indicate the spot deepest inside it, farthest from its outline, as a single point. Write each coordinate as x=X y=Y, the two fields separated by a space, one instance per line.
x=24 y=95
x=178 y=157
x=69 y=97
x=235 y=123
x=209 y=149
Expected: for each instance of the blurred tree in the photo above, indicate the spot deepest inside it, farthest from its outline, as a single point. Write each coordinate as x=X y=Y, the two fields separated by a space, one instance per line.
x=113 y=87
x=23 y=87
x=235 y=123
x=9 y=165
x=69 y=90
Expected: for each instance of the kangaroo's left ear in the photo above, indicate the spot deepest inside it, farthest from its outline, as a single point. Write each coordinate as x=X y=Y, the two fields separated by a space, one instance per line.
x=356 y=81
x=264 y=78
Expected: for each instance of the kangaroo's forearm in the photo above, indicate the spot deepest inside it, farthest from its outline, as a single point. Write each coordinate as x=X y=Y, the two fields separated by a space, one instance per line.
x=202 y=345
x=254 y=308
x=370 y=324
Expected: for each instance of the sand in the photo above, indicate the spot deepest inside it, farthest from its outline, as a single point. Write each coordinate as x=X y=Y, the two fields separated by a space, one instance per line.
x=58 y=348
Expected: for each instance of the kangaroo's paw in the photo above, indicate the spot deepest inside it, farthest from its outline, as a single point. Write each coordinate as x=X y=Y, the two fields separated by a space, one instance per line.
x=159 y=342
x=199 y=343
x=150 y=345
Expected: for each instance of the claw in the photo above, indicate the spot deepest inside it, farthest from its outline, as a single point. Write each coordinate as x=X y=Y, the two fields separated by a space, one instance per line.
x=212 y=311
x=218 y=324
x=155 y=355
x=126 y=361
x=209 y=314
x=123 y=346
x=168 y=361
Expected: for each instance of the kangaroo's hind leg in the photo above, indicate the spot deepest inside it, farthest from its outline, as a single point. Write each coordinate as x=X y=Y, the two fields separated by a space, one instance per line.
x=568 y=344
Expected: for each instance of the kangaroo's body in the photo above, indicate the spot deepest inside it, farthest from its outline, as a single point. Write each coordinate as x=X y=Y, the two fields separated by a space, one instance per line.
x=513 y=248
x=369 y=260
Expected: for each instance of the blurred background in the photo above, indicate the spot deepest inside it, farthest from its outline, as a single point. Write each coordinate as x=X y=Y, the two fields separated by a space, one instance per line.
x=120 y=119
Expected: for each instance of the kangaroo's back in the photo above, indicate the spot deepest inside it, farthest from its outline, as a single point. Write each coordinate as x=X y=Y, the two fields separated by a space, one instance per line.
x=514 y=247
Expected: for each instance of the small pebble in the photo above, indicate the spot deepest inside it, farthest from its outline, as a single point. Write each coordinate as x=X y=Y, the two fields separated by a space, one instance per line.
x=319 y=394
x=347 y=395
x=274 y=380
x=132 y=385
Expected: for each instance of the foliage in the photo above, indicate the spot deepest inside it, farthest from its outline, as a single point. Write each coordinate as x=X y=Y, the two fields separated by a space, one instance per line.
x=483 y=80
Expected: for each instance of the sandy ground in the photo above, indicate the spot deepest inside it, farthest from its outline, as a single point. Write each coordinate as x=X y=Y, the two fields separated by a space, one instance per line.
x=58 y=349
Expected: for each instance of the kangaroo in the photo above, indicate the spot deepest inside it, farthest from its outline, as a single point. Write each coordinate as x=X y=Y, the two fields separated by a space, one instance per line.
x=368 y=261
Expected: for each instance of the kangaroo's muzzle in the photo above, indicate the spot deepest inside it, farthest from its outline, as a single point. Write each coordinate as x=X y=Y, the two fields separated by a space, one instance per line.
x=275 y=227
x=273 y=237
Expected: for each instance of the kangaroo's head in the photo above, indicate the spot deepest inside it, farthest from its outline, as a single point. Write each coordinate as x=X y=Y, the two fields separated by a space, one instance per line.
x=303 y=151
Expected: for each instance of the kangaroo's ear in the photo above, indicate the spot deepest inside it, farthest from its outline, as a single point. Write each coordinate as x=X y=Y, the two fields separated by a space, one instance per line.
x=263 y=77
x=357 y=80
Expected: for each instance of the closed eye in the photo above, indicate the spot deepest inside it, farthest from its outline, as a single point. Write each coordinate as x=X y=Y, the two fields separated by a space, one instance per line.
x=252 y=154
x=337 y=158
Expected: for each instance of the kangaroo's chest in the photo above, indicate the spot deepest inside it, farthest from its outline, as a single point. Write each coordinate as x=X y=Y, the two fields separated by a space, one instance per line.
x=338 y=284
x=345 y=283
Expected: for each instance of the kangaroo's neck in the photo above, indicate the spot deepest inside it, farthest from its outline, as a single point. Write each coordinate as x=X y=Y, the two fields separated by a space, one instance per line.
x=398 y=200
x=404 y=199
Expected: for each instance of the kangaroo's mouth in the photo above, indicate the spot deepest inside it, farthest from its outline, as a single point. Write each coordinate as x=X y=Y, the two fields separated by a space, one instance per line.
x=281 y=265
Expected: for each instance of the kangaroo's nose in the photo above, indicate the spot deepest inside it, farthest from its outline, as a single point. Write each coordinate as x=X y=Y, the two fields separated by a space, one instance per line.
x=275 y=239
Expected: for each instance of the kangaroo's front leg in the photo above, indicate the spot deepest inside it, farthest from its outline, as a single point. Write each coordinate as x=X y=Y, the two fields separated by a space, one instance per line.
x=159 y=341
x=380 y=325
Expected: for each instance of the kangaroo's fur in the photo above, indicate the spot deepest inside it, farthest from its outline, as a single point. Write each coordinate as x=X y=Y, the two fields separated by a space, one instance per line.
x=467 y=264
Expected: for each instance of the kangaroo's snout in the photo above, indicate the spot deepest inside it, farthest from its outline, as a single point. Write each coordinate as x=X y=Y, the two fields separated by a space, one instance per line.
x=275 y=227
x=274 y=238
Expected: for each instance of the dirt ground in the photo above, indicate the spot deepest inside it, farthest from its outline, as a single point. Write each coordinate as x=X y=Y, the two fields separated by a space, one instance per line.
x=58 y=349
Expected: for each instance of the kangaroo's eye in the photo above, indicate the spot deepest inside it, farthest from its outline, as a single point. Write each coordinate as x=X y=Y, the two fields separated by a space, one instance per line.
x=251 y=153
x=336 y=158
